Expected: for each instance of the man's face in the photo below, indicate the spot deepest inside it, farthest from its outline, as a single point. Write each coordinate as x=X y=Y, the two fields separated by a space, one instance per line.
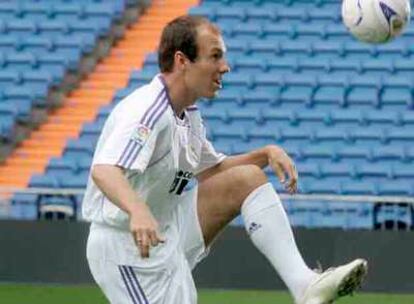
x=203 y=76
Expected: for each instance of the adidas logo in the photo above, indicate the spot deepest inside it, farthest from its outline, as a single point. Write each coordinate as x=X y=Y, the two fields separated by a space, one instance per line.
x=253 y=227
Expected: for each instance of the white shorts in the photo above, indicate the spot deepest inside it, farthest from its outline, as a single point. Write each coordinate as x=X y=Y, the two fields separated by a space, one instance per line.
x=123 y=282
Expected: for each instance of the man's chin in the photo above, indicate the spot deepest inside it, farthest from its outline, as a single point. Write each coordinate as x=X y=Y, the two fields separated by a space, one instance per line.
x=214 y=94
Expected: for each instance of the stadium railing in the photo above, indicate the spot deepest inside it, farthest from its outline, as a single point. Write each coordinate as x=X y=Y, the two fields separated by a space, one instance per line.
x=304 y=210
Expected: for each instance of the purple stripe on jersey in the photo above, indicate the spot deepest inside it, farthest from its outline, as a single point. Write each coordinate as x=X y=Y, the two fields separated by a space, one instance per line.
x=152 y=106
x=149 y=119
x=134 y=153
x=190 y=109
x=161 y=78
x=155 y=108
x=156 y=117
x=124 y=153
x=134 y=146
x=134 y=297
x=130 y=160
x=135 y=279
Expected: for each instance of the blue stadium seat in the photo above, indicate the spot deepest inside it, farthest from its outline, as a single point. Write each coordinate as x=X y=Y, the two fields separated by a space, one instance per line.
x=383 y=118
x=238 y=80
x=375 y=65
x=311 y=64
x=23 y=107
x=313 y=118
x=101 y=9
x=344 y=170
x=84 y=164
x=77 y=181
x=309 y=169
x=329 y=97
x=317 y=14
x=359 y=188
x=6 y=127
x=39 y=11
x=303 y=214
x=317 y=152
x=372 y=170
x=399 y=98
x=21 y=61
x=9 y=43
x=229 y=133
x=296 y=47
x=21 y=27
x=98 y=27
x=24 y=206
x=281 y=117
x=384 y=153
x=297 y=95
x=9 y=77
x=359 y=97
x=259 y=14
x=313 y=31
x=225 y=14
x=36 y=44
x=286 y=65
x=68 y=9
x=321 y=187
x=349 y=153
x=53 y=27
x=208 y=12
x=61 y=166
x=403 y=171
x=262 y=48
x=246 y=31
x=237 y=47
x=277 y=31
x=85 y=41
x=79 y=147
x=249 y=65
x=43 y=181
x=328 y=48
x=402 y=135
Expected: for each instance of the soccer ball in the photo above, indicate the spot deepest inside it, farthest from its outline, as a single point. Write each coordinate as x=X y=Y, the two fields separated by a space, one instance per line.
x=376 y=21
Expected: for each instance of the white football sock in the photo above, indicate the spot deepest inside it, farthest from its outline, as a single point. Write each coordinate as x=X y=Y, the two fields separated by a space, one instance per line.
x=268 y=226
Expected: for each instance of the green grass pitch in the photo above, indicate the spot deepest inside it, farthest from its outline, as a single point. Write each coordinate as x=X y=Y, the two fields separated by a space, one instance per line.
x=44 y=294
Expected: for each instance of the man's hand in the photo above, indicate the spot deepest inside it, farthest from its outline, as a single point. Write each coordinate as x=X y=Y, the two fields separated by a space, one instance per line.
x=283 y=165
x=144 y=229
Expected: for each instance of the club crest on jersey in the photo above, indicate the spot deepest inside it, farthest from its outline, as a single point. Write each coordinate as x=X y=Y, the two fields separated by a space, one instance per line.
x=141 y=134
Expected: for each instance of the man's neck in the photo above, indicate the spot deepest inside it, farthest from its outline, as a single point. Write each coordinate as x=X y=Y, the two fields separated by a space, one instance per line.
x=179 y=96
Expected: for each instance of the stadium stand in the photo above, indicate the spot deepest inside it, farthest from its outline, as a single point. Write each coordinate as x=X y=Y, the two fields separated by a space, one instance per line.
x=342 y=109
x=81 y=104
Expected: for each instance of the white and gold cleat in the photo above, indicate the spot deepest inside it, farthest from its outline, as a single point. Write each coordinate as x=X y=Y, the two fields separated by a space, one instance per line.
x=335 y=283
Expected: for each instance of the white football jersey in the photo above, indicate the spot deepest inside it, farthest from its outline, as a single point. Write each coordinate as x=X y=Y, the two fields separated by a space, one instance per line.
x=159 y=152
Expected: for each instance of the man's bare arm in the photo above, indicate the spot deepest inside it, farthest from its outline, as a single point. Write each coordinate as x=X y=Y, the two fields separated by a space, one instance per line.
x=144 y=228
x=271 y=155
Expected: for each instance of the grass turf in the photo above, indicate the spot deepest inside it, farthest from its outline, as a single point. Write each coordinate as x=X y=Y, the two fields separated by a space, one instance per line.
x=44 y=294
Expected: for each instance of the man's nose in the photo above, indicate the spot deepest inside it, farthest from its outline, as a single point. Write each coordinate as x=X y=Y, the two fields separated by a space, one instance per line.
x=225 y=68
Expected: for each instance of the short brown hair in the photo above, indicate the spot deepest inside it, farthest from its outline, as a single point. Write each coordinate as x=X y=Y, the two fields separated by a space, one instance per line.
x=179 y=34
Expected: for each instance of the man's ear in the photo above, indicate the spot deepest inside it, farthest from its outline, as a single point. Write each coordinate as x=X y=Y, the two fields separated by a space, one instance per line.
x=180 y=60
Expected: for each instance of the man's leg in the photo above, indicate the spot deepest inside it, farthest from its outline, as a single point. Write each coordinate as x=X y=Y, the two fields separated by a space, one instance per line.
x=245 y=189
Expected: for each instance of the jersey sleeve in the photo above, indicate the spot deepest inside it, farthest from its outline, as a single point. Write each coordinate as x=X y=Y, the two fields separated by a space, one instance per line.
x=129 y=142
x=209 y=156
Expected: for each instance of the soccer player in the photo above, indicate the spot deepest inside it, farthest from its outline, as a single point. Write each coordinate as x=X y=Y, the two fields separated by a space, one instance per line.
x=149 y=228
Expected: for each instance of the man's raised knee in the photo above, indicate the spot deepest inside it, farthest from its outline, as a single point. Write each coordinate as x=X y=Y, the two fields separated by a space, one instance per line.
x=247 y=178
